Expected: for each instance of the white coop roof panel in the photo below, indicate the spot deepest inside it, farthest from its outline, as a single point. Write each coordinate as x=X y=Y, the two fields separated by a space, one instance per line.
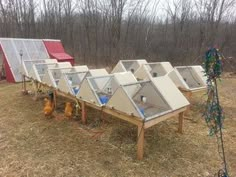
x=98 y=90
x=30 y=49
x=70 y=82
x=170 y=92
x=149 y=99
x=81 y=68
x=97 y=72
x=128 y=65
x=193 y=76
x=28 y=64
x=40 y=69
x=150 y=70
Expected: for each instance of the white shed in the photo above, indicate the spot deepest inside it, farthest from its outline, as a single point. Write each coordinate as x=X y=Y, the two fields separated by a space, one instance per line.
x=98 y=90
x=128 y=65
x=149 y=100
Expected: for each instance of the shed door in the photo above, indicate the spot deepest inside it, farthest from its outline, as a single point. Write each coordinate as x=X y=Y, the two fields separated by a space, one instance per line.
x=2 y=71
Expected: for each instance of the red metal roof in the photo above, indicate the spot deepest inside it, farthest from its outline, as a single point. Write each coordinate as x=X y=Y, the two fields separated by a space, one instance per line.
x=61 y=56
x=57 y=51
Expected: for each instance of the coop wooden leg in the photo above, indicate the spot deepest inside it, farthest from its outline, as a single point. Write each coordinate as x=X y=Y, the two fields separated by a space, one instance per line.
x=24 y=84
x=55 y=98
x=36 y=84
x=140 y=143
x=188 y=96
x=181 y=119
x=83 y=107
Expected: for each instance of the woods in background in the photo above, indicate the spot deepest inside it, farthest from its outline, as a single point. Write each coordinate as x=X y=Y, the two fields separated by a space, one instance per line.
x=104 y=31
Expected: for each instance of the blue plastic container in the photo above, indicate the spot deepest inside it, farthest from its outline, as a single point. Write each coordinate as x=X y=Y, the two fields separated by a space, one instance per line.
x=141 y=110
x=104 y=99
x=76 y=90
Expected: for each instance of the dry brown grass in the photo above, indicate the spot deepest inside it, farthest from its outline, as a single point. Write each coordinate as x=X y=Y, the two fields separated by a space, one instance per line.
x=31 y=145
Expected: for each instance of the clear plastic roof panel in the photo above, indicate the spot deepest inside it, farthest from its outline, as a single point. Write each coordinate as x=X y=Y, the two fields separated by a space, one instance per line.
x=104 y=87
x=16 y=50
x=28 y=64
x=131 y=65
x=191 y=77
x=55 y=74
x=128 y=65
x=71 y=81
x=145 y=101
x=148 y=100
x=39 y=70
x=152 y=70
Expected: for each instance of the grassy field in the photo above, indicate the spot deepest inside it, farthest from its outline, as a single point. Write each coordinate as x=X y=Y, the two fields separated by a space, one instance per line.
x=32 y=145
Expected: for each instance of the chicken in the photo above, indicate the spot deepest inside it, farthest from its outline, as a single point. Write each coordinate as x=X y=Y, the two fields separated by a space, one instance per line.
x=48 y=107
x=68 y=109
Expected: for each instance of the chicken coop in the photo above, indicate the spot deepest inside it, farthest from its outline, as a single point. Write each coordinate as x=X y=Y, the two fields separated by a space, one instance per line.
x=70 y=81
x=193 y=77
x=28 y=64
x=128 y=65
x=53 y=75
x=148 y=99
x=98 y=90
x=39 y=70
x=151 y=70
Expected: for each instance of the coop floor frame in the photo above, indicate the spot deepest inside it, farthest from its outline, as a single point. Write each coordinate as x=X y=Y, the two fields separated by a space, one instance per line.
x=142 y=125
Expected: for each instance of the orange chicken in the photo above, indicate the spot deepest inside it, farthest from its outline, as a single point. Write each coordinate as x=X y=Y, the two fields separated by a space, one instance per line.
x=68 y=109
x=48 y=107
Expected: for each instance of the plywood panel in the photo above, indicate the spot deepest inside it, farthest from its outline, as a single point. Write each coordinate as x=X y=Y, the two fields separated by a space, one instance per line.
x=170 y=92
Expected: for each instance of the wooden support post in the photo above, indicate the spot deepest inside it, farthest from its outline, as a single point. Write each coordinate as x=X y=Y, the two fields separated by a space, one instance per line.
x=55 y=98
x=188 y=95
x=181 y=119
x=83 y=107
x=24 y=84
x=36 y=84
x=140 y=142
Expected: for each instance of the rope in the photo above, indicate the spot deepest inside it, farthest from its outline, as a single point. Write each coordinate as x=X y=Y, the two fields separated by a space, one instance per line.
x=214 y=114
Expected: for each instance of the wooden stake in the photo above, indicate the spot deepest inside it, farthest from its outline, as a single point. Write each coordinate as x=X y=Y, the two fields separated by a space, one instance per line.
x=181 y=119
x=24 y=84
x=55 y=98
x=140 y=142
x=83 y=107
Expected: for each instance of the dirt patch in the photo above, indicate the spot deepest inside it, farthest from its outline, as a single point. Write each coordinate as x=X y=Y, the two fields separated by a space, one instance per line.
x=32 y=145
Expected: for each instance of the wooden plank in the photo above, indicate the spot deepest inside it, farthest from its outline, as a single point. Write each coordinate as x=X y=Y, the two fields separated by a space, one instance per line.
x=129 y=118
x=24 y=84
x=140 y=142
x=55 y=98
x=155 y=121
x=181 y=119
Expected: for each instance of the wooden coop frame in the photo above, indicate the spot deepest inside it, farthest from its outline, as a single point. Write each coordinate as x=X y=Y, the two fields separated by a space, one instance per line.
x=128 y=65
x=142 y=125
